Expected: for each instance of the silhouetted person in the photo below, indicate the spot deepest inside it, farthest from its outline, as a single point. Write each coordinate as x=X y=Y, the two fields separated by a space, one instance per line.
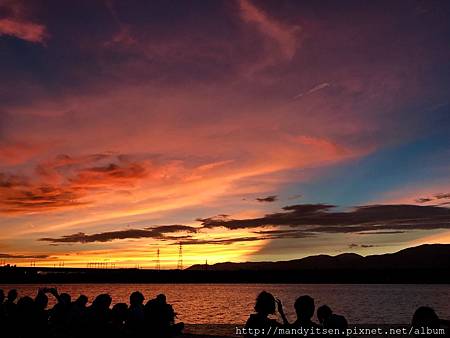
x=119 y=314
x=2 y=307
x=304 y=308
x=78 y=308
x=78 y=316
x=25 y=318
x=329 y=320
x=264 y=306
x=323 y=313
x=40 y=316
x=135 y=317
x=99 y=316
x=10 y=310
x=10 y=303
x=425 y=319
x=81 y=301
x=160 y=316
x=59 y=314
x=3 y=323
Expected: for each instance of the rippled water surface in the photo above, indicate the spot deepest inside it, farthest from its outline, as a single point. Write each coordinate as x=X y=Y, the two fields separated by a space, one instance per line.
x=232 y=303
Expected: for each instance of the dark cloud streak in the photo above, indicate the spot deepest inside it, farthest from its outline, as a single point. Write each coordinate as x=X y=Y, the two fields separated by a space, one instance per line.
x=318 y=218
x=306 y=220
x=151 y=232
x=271 y=198
x=10 y=256
x=225 y=241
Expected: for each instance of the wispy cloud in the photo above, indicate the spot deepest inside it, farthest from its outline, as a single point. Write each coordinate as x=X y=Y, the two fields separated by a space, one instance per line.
x=284 y=36
x=312 y=90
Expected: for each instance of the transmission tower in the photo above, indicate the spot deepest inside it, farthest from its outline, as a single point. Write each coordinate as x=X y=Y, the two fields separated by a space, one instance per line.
x=158 y=263
x=180 y=257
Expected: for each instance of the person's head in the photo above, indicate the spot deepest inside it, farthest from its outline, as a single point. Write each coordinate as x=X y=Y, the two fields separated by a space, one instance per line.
x=102 y=302
x=161 y=298
x=12 y=295
x=150 y=303
x=25 y=305
x=81 y=301
x=304 y=307
x=136 y=298
x=65 y=298
x=323 y=312
x=41 y=301
x=265 y=303
x=425 y=316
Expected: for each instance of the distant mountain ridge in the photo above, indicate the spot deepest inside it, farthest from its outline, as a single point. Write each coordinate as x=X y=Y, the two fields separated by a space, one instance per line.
x=422 y=264
x=427 y=256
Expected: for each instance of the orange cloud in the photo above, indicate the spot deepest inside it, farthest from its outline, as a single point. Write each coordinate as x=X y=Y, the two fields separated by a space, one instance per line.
x=65 y=181
x=12 y=153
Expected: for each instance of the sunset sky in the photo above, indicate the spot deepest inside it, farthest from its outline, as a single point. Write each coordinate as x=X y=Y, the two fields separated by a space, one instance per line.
x=247 y=130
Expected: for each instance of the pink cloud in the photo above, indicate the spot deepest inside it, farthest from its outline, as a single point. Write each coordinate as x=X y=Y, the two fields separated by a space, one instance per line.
x=426 y=194
x=24 y=30
x=19 y=22
x=284 y=36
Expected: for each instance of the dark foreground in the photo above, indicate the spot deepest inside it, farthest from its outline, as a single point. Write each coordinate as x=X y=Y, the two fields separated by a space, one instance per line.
x=27 y=317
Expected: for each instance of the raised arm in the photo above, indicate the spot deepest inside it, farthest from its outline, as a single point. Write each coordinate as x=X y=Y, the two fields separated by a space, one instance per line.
x=281 y=312
x=55 y=293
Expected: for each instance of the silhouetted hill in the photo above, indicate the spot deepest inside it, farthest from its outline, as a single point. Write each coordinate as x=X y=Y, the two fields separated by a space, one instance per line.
x=422 y=264
x=426 y=256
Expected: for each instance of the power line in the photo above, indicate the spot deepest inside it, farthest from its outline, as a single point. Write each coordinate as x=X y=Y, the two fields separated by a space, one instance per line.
x=158 y=262
x=180 y=257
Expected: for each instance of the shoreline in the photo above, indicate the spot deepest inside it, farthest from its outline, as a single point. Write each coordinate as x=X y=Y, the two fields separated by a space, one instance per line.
x=37 y=275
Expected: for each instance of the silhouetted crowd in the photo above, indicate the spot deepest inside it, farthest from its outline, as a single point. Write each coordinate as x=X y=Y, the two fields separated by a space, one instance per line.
x=424 y=320
x=26 y=317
